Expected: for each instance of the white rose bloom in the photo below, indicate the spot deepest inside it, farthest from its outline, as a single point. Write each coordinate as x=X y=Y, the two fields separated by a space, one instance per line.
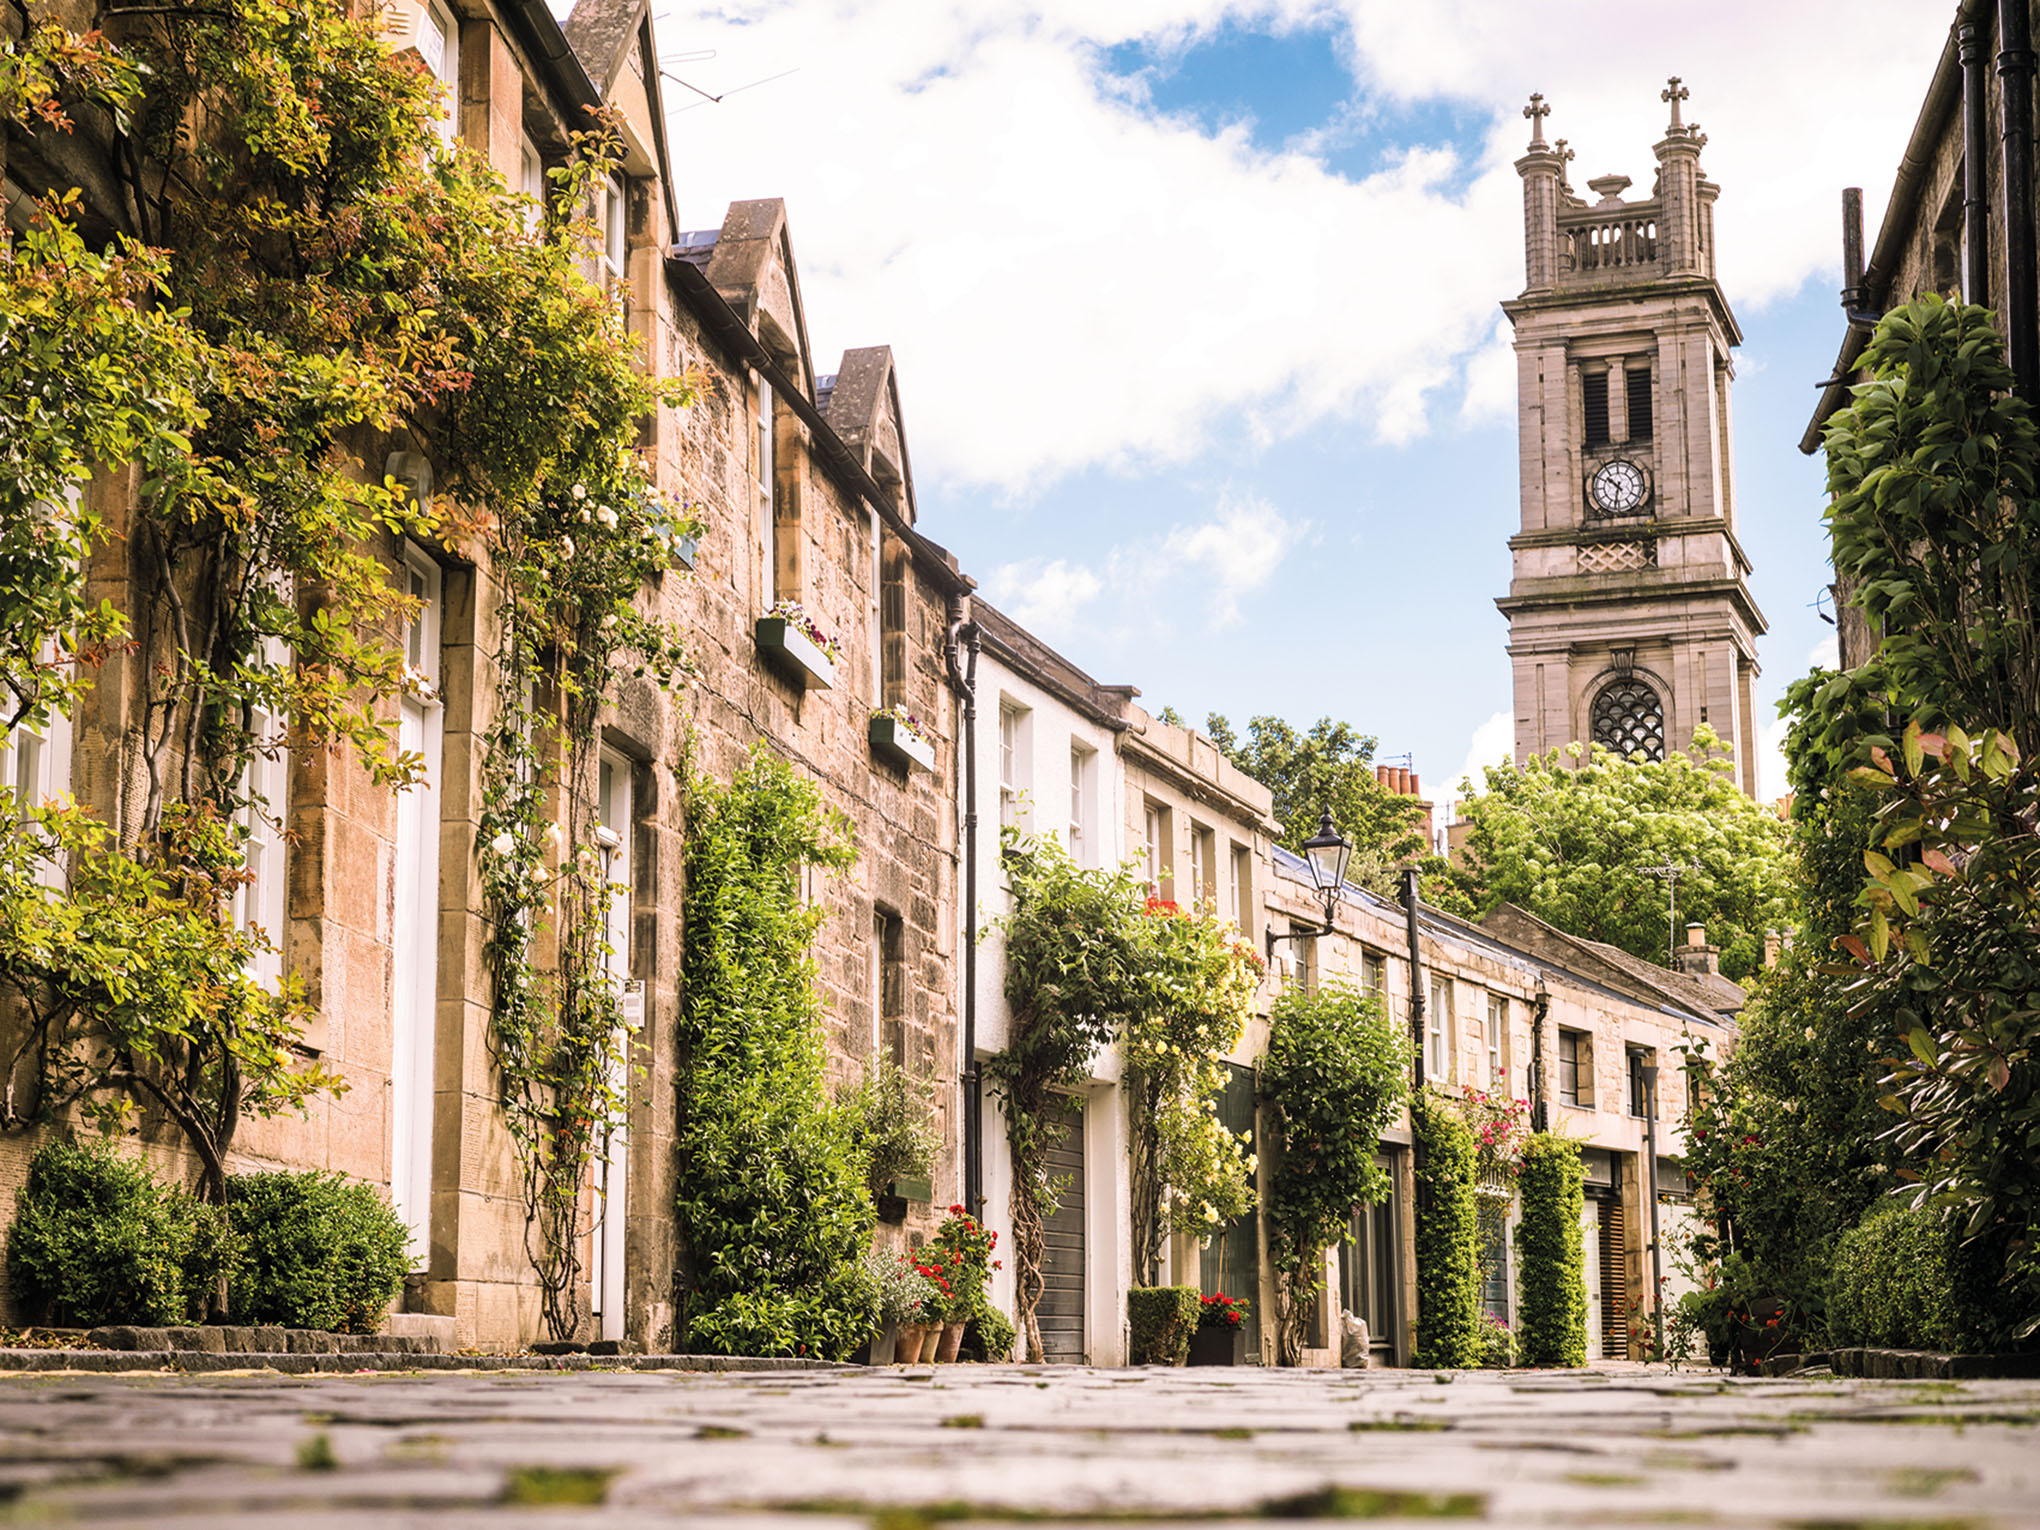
x=607 y=517
x=567 y=546
x=580 y=491
x=502 y=844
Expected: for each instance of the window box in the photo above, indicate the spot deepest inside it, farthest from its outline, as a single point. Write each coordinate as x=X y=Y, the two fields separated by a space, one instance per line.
x=687 y=551
x=892 y=737
x=779 y=639
x=922 y=1190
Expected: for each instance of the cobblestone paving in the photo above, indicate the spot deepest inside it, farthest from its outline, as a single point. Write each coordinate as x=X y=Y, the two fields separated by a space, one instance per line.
x=900 y=1450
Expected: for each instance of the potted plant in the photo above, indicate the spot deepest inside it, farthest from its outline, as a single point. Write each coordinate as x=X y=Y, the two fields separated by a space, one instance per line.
x=962 y=1249
x=921 y=1334
x=903 y=737
x=788 y=634
x=901 y=1293
x=892 y=1115
x=1221 y=1337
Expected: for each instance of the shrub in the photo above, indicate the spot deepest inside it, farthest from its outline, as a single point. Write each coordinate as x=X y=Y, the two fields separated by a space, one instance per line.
x=774 y=1212
x=899 y=1289
x=1448 y=1236
x=1160 y=1321
x=990 y=1335
x=317 y=1251
x=1904 y=1279
x=1331 y=1080
x=1551 y=1305
x=97 y=1239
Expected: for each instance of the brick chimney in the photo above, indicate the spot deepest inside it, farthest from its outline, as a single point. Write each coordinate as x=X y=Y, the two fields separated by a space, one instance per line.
x=1404 y=782
x=1696 y=957
x=1774 y=944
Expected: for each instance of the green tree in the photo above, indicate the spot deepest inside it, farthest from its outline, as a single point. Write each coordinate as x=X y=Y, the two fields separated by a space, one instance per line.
x=1335 y=1072
x=1329 y=769
x=1572 y=846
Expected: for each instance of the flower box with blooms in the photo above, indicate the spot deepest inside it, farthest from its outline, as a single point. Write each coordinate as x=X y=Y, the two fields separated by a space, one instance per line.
x=1221 y=1337
x=788 y=633
x=898 y=733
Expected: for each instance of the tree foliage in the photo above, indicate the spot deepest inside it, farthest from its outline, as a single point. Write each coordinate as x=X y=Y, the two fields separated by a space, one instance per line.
x=774 y=1216
x=1092 y=960
x=1329 y=769
x=1336 y=1070
x=1572 y=846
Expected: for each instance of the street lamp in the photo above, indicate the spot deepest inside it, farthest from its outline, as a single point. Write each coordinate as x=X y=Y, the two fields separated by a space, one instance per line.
x=1325 y=853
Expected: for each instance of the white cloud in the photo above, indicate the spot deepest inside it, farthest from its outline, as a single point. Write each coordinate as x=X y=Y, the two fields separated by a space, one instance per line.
x=1771 y=783
x=1072 y=280
x=1234 y=554
x=1043 y=595
x=1827 y=653
x=1492 y=742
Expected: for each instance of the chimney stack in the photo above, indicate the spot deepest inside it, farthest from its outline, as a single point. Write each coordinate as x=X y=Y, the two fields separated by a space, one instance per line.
x=1696 y=957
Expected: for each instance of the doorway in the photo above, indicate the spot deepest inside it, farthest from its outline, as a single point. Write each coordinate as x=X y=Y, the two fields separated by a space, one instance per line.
x=1060 y=1313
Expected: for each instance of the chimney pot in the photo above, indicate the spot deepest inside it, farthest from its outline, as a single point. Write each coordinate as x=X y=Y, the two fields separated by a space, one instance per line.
x=1696 y=934
x=1416 y=788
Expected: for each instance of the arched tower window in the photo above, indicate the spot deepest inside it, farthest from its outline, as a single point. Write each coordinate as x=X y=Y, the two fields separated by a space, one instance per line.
x=1629 y=717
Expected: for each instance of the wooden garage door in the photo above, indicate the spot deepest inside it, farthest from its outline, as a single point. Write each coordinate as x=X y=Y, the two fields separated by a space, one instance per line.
x=1061 y=1313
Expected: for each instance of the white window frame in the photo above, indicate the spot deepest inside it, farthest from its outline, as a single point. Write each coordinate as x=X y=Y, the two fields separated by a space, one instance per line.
x=614 y=813
x=1151 y=846
x=1438 y=1019
x=762 y=448
x=264 y=790
x=876 y=613
x=439 y=33
x=532 y=182
x=414 y=1022
x=1016 y=773
x=1083 y=767
x=1203 y=875
x=612 y=203
x=1374 y=974
x=1497 y=1037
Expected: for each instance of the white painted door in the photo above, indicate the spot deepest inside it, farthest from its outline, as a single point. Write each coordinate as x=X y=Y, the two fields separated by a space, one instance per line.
x=606 y=1256
x=416 y=929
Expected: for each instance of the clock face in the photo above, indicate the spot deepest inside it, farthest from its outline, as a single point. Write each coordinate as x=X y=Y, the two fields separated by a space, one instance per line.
x=1618 y=488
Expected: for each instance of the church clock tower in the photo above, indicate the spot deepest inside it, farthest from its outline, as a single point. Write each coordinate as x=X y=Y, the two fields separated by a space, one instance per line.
x=1630 y=618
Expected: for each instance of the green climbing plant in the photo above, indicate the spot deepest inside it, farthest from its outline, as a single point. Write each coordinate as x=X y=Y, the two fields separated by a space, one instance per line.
x=1336 y=1071
x=1551 y=1306
x=1448 y=1234
x=774 y=1212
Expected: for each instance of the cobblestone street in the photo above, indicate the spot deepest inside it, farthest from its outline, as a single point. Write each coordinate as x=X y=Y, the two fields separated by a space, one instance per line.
x=900 y=1449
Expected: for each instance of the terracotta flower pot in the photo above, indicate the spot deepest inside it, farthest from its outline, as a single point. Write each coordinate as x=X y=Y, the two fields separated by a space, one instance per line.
x=885 y=1343
x=907 y=1348
x=950 y=1342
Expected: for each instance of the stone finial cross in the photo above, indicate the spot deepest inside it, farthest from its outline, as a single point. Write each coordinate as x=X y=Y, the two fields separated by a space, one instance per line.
x=1674 y=92
x=1565 y=157
x=1537 y=111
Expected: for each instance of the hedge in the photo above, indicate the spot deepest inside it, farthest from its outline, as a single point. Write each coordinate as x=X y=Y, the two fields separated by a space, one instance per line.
x=1903 y=1279
x=98 y=1239
x=1449 y=1311
x=317 y=1251
x=1551 y=1264
x=1160 y=1321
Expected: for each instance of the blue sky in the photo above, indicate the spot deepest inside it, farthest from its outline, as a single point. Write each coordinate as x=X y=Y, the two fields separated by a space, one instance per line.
x=1195 y=301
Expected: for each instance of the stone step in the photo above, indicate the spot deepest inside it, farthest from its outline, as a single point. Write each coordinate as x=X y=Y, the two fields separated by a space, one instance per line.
x=436 y=1333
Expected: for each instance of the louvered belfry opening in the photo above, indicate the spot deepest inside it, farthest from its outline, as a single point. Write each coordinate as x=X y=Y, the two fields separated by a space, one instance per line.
x=1636 y=384
x=1594 y=407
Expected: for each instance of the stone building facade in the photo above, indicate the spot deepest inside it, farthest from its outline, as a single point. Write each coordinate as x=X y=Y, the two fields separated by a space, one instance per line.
x=804 y=486
x=1630 y=618
x=1946 y=223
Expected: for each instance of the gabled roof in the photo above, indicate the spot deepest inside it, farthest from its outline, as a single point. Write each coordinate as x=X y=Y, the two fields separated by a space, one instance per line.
x=862 y=402
x=601 y=38
x=1017 y=648
x=1716 y=997
x=751 y=267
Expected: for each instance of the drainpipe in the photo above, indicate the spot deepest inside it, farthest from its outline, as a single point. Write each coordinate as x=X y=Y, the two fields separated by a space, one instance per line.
x=1657 y=1271
x=1540 y=1102
x=2015 y=106
x=1973 y=38
x=1409 y=898
x=963 y=678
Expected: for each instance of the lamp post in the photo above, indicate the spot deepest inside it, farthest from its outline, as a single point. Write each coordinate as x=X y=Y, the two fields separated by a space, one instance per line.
x=1325 y=853
x=1657 y=1274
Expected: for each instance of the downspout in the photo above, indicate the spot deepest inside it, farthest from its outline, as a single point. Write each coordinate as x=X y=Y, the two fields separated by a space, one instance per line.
x=963 y=678
x=1972 y=36
x=2015 y=107
x=1409 y=898
x=1540 y=1100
